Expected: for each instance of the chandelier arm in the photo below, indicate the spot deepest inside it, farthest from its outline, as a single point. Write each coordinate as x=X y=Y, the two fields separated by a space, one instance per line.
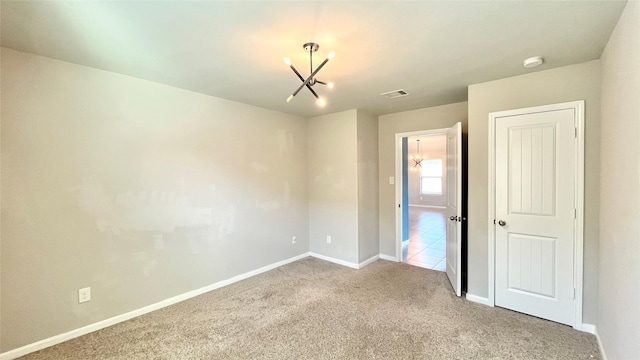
x=302 y=79
x=310 y=77
x=313 y=92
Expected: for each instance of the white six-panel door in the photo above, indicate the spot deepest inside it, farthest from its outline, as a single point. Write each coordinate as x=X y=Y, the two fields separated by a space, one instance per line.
x=535 y=209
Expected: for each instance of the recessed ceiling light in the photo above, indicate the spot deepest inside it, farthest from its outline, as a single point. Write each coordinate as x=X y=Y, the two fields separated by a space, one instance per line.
x=533 y=62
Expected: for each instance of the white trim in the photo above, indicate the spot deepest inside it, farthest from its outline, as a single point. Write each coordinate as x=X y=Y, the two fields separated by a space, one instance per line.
x=428 y=206
x=578 y=270
x=57 y=339
x=592 y=329
x=478 y=299
x=334 y=260
x=578 y=107
x=368 y=261
x=602 y=353
x=398 y=180
x=588 y=328
x=491 y=246
x=388 y=258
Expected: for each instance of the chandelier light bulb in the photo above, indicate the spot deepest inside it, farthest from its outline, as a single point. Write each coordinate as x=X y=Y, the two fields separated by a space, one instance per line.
x=287 y=61
x=330 y=85
x=321 y=102
x=331 y=55
x=289 y=98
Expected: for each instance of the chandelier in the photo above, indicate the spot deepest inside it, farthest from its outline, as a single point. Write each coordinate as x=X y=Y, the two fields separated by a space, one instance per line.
x=417 y=160
x=311 y=80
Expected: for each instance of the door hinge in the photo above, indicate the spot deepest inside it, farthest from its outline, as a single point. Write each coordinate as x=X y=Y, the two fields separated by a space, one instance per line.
x=575 y=213
x=576 y=132
x=574 y=293
x=494 y=221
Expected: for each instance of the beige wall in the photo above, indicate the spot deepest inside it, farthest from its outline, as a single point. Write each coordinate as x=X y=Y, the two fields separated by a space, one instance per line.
x=619 y=271
x=437 y=117
x=575 y=82
x=138 y=190
x=333 y=185
x=368 y=237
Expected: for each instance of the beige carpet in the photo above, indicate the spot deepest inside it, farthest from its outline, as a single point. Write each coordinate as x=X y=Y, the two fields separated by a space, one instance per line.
x=313 y=309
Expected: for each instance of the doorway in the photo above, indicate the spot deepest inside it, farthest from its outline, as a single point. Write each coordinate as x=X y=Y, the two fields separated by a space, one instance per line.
x=425 y=244
x=432 y=226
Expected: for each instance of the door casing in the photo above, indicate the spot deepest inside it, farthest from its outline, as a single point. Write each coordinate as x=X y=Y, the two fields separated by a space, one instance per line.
x=578 y=107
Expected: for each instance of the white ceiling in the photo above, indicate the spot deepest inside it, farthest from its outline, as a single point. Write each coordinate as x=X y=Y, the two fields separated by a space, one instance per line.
x=234 y=49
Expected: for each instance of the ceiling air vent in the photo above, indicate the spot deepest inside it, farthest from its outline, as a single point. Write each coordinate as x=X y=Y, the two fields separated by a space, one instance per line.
x=395 y=94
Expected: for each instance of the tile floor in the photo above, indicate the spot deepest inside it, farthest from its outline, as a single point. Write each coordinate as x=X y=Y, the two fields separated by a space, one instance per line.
x=426 y=246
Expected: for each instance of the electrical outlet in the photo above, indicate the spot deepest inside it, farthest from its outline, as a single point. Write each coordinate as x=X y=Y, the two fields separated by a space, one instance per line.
x=293 y=240
x=328 y=239
x=84 y=295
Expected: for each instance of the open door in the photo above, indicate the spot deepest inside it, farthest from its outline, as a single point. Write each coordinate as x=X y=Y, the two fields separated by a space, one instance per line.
x=454 y=207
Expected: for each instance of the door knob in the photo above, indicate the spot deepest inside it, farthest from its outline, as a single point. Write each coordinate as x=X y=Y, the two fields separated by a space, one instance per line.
x=502 y=222
x=453 y=218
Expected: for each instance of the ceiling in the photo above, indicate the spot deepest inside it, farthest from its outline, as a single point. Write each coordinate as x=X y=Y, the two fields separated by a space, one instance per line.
x=235 y=49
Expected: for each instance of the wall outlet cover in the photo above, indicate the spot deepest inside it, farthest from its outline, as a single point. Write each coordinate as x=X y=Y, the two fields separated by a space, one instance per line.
x=84 y=295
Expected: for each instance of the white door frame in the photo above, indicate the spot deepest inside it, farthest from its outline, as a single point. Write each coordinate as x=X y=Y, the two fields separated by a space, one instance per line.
x=398 y=181
x=578 y=107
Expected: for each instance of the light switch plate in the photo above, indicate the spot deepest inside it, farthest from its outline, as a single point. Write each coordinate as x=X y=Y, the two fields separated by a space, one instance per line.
x=392 y=180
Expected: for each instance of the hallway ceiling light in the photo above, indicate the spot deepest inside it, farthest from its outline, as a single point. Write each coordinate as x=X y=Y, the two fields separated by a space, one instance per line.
x=311 y=80
x=417 y=160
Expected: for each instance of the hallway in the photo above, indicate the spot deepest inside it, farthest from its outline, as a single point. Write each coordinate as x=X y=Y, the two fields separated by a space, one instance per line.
x=426 y=246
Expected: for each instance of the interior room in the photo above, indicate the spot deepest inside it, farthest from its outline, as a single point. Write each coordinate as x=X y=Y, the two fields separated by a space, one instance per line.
x=230 y=180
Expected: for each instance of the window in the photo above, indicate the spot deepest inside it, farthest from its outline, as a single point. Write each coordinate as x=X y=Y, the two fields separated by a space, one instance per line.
x=431 y=177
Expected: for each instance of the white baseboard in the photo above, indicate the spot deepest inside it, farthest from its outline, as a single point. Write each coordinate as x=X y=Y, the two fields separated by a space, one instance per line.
x=334 y=260
x=388 y=258
x=603 y=355
x=478 y=299
x=592 y=329
x=588 y=328
x=368 y=261
x=428 y=206
x=57 y=339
